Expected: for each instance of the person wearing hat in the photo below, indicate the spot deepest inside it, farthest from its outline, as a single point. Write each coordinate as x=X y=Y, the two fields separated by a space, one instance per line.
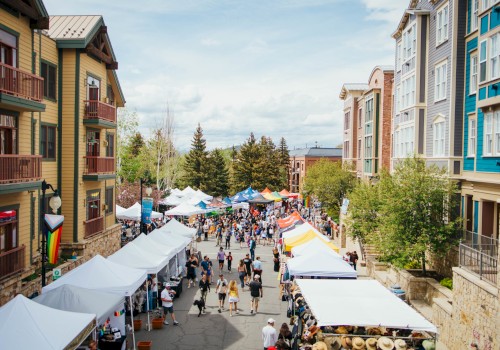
x=400 y=344
x=346 y=342
x=256 y=293
x=167 y=298
x=358 y=344
x=371 y=344
x=385 y=343
x=269 y=334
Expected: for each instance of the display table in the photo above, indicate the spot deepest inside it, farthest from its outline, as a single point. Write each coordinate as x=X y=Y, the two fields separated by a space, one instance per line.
x=112 y=344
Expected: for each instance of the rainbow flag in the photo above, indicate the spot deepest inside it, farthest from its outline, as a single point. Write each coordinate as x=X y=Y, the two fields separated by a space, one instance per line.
x=53 y=241
x=307 y=202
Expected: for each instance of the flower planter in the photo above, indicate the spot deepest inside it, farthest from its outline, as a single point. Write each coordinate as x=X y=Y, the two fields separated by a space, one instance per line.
x=144 y=345
x=137 y=325
x=157 y=323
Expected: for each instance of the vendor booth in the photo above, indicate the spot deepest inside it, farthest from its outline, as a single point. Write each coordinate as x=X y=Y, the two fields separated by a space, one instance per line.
x=108 y=307
x=134 y=213
x=320 y=265
x=298 y=230
x=175 y=226
x=25 y=324
x=135 y=256
x=185 y=209
x=316 y=246
x=289 y=243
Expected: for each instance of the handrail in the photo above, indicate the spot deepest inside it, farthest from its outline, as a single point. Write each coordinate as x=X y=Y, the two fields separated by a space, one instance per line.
x=20 y=83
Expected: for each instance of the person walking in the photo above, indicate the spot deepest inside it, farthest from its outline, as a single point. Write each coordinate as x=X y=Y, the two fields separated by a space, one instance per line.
x=255 y=293
x=252 y=246
x=242 y=273
x=221 y=290
x=191 y=265
x=269 y=334
x=248 y=269
x=257 y=268
x=228 y=238
x=354 y=259
x=221 y=256
x=276 y=259
x=229 y=261
x=204 y=286
x=234 y=297
x=167 y=298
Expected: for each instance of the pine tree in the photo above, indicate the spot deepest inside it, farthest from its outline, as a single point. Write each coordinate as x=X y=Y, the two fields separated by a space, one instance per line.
x=131 y=166
x=218 y=175
x=267 y=167
x=284 y=163
x=196 y=162
x=244 y=166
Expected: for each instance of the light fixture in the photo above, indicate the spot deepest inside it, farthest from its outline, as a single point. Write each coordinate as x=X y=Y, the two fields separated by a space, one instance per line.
x=55 y=202
x=92 y=85
x=149 y=190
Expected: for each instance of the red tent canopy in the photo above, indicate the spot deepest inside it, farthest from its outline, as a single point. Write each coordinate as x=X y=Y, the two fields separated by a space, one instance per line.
x=267 y=190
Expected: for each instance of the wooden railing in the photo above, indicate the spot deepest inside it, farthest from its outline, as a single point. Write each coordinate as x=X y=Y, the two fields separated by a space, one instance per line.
x=99 y=110
x=12 y=262
x=94 y=226
x=99 y=165
x=20 y=168
x=20 y=83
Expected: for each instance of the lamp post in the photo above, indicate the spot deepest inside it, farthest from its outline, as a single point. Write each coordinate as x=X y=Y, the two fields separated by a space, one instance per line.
x=54 y=204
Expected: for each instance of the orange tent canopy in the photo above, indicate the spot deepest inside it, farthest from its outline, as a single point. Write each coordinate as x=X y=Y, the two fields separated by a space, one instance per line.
x=267 y=190
x=285 y=193
x=289 y=220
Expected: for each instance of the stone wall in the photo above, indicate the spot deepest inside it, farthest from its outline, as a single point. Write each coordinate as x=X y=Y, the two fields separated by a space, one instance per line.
x=444 y=265
x=103 y=244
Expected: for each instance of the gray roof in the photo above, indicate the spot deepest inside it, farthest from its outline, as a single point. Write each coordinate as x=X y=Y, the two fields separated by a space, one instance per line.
x=352 y=87
x=316 y=152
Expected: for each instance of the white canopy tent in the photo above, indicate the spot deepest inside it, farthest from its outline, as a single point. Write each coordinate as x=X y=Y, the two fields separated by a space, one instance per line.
x=146 y=243
x=134 y=213
x=314 y=247
x=102 y=274
x=25 y=324
x=119 y=210
x=185 y=209
x=298 y=230
x=177 y=242
x=77 y=299
x=135 y=256
x=359 y=303
x=322 y=264
x=175 y=226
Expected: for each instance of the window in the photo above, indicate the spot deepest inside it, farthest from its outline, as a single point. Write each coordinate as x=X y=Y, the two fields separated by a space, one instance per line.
x=8 y=231
x=368 y=146
x=494 y=56
x=488 y=3
x=346 y=149
x=407 y=92
x=397 y=96
x=473 y=74
x=93 y=87
x=496 y=122
x=403 y=141
x=48 y=141
x=482 y=60
x=93 y=204
x=8 y=134
x=409 y=42
x=440 y=78
x=369 y=111
x=359 y=149
x=473 y=15
x=399 y=58
x=347 y=121
x=360 y=117
x=471 y=151
x=488 y=134
x=8 y=48
x=109 y=200
x=49 y=76
x=442 y=19
x=110 y=147
x=438 y=139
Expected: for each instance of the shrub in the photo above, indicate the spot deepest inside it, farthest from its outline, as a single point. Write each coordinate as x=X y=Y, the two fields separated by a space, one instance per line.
x=447 y=282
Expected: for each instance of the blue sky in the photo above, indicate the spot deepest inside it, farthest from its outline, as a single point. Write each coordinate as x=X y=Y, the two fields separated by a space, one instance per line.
x=273 y=67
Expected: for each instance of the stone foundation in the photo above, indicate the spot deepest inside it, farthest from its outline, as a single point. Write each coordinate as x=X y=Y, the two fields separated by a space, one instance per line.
x=104 y=244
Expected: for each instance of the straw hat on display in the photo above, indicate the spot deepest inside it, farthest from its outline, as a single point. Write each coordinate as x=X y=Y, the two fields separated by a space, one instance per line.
x=346 y=342
x=374 y=331
x=358 y=344
x=371 y=344
x=429 y=345
x=385 y=343
x=333 y=343
x=319 y=345
x=400 y=344
x=341 y=330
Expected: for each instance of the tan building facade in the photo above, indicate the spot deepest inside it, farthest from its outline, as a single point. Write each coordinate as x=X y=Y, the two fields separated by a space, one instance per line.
x=59 y=95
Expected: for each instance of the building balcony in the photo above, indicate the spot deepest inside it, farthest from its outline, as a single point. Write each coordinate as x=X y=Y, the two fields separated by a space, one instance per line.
x=20 y=90
x=94 y=226
x=12 y=262
x=99 y=168
x=99 y=114
x=478 y=254
x=19 y=172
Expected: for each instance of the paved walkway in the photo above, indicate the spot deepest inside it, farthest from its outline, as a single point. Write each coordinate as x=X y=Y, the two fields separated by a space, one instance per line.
x=214 y=331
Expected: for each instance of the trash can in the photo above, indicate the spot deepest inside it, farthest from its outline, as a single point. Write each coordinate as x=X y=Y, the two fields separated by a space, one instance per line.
x=397 y=291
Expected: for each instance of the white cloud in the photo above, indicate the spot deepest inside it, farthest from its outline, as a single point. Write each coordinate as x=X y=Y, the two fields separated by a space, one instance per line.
x=210 y=42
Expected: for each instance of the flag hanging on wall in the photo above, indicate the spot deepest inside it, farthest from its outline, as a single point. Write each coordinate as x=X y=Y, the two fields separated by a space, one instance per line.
x=54 y=231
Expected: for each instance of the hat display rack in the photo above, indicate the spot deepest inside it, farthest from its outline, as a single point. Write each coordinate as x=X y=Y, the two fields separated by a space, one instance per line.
x=308 y=336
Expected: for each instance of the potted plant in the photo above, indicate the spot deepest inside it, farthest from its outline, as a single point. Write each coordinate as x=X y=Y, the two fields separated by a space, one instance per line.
x=158 y=322
x=144 y=345
x=137 y=325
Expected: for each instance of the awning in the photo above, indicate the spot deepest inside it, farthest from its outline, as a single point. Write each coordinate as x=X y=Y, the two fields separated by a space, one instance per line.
x=320 y=264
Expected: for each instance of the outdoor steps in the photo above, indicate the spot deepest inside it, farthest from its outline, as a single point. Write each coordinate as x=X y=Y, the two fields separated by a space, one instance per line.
x=370 y=252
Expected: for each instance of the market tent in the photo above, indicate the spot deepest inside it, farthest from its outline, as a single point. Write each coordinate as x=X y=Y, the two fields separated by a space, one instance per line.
x=298 y=230
x=135 y=256
x=77 y=299
x=102 y=274
x=290 y=220
x=178 y=228
x=360 y=303
x=168 y=240
x=173 y=200
x=239 y=197
x=277 y=196
x=203 y=195
x=187 y=191
x=119 y=210
x=185 y=209
x=259 y=199
x=25 y=324
x=147 y=244
x=134 y=213
x=267 y=190
x=320 y=265
x=284 y=193
x=294 y=241
x=316 y=246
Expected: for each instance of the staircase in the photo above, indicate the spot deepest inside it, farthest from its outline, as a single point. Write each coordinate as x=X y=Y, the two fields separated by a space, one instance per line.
x=368 y=251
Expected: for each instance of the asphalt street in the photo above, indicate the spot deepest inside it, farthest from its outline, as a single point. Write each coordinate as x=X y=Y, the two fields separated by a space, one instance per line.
x=215 y=330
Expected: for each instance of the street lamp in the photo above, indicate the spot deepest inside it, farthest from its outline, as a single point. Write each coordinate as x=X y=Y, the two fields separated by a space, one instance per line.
x=54 y=204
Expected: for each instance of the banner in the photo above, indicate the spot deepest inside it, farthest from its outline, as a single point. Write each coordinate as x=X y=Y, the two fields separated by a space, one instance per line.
x=53 y=224
x=147 y=210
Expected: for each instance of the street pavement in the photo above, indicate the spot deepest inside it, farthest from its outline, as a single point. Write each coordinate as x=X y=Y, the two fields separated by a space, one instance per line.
x=217 y=330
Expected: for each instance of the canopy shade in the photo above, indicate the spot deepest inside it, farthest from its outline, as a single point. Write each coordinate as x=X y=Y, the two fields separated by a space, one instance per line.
x=299 y=230
x=289 y=220
x=316 y=246
x=134 y=213
x=185 y=209
x=294 y=241
x=267 y=190
x=360 y=303
x=136 y=256
x=25 y=324
x=119 y=210
x=284 y=193
x=170 y=240
x=178 y=228
x=77 y=299
x=102 y=274
x=147 y=244
x=321 y=264
x=259 y=199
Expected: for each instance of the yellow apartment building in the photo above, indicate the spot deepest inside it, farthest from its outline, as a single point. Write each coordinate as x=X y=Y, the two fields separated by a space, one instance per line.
x=59 y=95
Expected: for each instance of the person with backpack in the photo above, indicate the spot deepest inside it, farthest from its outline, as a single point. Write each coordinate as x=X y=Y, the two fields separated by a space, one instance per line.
x=221 y=290
x=256 y=293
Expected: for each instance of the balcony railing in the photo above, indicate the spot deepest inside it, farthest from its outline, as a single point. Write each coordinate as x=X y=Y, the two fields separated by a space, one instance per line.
x=99 y=165
x=20 y=83
x=20 y=168
x=485 y=244
x=481 y=264
x=12 y=262
x=99 y=110
x=94 y=226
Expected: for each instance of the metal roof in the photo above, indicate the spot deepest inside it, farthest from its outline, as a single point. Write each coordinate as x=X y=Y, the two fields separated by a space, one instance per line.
x=316 y=152
x=352 y=87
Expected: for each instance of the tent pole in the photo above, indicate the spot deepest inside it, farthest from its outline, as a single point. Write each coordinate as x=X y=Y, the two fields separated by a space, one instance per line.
x=147 y=303
x=132 y=317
